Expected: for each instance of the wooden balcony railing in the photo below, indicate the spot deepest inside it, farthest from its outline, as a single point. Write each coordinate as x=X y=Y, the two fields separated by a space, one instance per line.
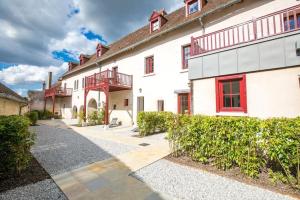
x=269 y=25
x=111 y=78
x=58 y=91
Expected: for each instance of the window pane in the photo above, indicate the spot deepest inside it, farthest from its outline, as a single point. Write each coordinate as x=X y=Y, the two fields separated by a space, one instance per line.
x=184 y=105
x=226 y=101
x=236 y=87
x=236 y=101
x=193 y=7
x=226 y=87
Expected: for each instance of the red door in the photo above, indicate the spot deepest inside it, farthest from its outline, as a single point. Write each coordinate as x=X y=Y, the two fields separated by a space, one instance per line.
x=184 y=105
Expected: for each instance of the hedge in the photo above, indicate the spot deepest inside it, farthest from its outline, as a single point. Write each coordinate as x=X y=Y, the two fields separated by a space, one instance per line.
x=248 y=143
x=33 y=116
x=152 y=122
x=15 y=144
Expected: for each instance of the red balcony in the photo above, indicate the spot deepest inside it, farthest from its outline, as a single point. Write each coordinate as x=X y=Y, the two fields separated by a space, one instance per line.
x=277 y=23
x=114 y=80
x=58 y=91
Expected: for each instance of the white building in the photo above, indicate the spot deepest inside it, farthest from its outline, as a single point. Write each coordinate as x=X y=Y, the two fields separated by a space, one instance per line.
x=243 y=61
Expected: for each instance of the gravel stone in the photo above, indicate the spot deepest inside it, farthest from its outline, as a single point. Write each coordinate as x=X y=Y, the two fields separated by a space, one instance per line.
x=110 y=147
x=61 y=150
x=45 y=190
x=184 y=182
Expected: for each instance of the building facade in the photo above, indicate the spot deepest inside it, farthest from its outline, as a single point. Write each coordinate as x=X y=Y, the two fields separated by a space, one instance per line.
x=219 y=57
x=11 y=103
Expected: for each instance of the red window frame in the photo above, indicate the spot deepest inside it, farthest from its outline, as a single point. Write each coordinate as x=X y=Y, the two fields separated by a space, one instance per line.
x=290 y=23
x=152 y=24
x=179 y=102
x=189 y=3
x=183 y=56
x=149 y=65
x=220 y=96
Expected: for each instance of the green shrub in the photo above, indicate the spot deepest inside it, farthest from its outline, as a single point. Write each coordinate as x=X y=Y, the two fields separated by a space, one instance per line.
x=15 y=143
x=93 y=118
x=152 y=122
x=244 y=142
x=81 y=118
x=281 y=142
x=33 y=116
x=47 y=115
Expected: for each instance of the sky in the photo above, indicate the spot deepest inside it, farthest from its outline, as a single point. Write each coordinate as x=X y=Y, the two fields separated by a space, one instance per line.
x=41 y=36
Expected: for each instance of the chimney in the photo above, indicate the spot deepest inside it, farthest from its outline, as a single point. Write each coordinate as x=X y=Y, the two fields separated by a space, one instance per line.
x=49 y=81
x=44 y=85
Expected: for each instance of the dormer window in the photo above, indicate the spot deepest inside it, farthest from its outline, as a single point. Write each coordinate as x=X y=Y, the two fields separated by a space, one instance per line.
x=83 y=58
x=155 y=25
x=101 y=49
x=157 y=20
x=193 y=7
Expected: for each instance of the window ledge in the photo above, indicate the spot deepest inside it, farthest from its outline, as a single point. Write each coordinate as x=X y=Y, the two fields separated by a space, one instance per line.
x=233 y=114
x=152 y=74
x=184 y=70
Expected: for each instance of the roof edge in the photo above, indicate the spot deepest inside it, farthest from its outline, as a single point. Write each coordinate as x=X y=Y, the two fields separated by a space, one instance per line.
x=228 y=4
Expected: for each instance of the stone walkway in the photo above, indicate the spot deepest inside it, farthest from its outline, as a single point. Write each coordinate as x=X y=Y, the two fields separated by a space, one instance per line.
x=133 y=171
x=109 y=179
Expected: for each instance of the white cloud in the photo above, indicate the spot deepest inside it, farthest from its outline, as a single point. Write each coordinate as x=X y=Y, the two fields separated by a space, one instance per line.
x=20 y=74
x=75 y=43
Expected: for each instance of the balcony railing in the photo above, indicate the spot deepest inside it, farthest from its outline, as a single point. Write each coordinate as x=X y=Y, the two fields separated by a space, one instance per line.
x=273 y=24
x=110 y=78
x=58 y=91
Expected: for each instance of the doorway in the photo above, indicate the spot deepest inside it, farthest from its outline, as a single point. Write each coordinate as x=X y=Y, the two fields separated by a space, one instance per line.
x=140 y=104
x=184 y=106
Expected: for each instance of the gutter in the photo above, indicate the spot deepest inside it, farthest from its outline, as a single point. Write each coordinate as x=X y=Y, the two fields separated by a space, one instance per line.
x=230 y=3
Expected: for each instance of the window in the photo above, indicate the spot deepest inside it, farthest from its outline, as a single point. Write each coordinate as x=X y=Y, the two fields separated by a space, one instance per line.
x=155 y=25
x=126 y=102
x=193 y=7
x=149 y=68
x=76 y=83
x=160 y=105
x=184 y=103
x=186 y=53
x=231 y=94
x=290 y=24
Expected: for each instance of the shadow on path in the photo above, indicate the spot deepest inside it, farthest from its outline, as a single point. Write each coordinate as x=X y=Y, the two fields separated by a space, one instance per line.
x=84 y=170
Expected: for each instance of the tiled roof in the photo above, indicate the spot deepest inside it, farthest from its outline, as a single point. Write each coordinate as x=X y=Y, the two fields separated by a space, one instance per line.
x=10 y=94
x=175 y=19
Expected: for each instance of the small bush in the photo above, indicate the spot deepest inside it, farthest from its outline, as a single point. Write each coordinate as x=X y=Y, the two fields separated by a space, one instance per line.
x=93 y=118
x=81 y=118
x=15 y=144
x=248 y=143
x=153 y=122
x=281 y=143
x=33 y=116
x=47 y=115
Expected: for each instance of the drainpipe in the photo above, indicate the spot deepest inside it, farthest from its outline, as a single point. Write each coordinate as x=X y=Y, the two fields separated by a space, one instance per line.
x=99 y=96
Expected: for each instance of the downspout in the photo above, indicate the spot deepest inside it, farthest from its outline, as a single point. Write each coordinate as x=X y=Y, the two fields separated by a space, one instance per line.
x=191 y=82
x=99 y=96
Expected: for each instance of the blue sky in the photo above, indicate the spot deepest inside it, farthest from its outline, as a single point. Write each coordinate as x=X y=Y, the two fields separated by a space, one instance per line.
x=36 y=41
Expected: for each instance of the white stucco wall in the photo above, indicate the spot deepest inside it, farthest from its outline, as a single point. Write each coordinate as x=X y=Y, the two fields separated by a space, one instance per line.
x=168 y=74
x=274 y=93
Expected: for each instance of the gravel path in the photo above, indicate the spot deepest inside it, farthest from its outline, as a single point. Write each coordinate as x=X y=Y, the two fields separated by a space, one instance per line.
x=46 y=190
x=60 y=150
x=183 y=182
x=113 y=148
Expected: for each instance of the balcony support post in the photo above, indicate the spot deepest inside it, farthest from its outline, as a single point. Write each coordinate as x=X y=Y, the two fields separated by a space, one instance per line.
x=86 y=91
x=106 y=92
x=45 y=102
x=53 y=104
